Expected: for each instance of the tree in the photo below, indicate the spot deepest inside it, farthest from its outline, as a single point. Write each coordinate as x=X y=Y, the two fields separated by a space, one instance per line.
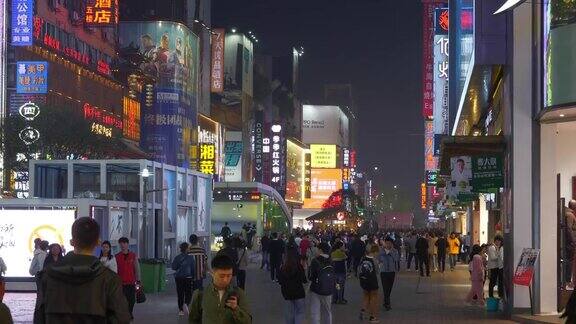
x=393 y=200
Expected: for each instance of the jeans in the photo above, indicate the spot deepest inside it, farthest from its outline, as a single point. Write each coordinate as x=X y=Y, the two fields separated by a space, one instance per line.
x=409 y=260
x=424 y=261
x=265 y=260
x=441 y=262
x=184 y=291
x=434 y=261
x=241 y=279
x=320 y=308
x=340 y=285
x=453 y=258
x=295 y=311
x=275 y=269
x=387 y=284
x=130 y=294
x=496 y=277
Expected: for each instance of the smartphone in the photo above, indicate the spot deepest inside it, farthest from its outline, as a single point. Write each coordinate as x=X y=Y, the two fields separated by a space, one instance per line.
x=232 y=295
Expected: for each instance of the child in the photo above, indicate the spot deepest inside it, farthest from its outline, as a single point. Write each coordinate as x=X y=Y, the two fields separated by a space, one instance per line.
x=476 y=276
x=367 y=273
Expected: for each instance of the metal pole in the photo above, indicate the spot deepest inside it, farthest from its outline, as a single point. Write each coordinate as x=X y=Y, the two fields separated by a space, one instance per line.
x=145 y=218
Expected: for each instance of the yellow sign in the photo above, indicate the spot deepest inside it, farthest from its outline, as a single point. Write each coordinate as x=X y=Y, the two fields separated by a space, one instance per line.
x=207 y=159
x=323 y=156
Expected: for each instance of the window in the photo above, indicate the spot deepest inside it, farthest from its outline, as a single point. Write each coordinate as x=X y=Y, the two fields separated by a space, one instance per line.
x=86 y=180
x=123 y=182
x=51 y=181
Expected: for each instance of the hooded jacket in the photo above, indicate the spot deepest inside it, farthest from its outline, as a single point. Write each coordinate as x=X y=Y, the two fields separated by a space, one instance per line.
x=37 y=262
x=79 y=289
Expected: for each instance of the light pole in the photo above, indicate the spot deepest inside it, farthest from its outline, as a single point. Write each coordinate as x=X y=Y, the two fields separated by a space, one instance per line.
x=145 y=175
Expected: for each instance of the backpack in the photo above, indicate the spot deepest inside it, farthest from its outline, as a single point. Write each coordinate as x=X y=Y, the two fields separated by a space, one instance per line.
x=367 y=274
x=326 y=280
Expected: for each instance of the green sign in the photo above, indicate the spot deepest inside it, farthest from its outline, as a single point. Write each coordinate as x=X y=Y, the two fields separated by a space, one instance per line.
x=487 y=175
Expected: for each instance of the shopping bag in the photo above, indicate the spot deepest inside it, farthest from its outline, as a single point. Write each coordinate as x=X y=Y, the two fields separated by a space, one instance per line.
x=140 y=296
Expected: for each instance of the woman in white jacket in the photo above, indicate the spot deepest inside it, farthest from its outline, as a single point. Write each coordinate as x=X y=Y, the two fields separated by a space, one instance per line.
x=496 y=267
x=40 y=254
x=107 y=258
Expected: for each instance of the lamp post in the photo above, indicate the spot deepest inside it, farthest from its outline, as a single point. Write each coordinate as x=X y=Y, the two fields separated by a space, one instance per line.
x=145 y=175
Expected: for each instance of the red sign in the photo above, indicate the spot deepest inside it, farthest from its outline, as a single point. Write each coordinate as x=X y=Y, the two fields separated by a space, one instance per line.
x=103 y=67
x=101 y=116
x=131 y=120
x=217 y=68
x=353 y=158
x=428 y=60
x=101 y=13
x=525 y=269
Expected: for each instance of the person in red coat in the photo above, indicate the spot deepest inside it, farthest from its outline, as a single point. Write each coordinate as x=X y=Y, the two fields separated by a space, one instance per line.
x=129 y=272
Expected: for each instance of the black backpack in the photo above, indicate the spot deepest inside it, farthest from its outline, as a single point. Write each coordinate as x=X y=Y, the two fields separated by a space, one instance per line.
x=367 y=274
x=326 y=280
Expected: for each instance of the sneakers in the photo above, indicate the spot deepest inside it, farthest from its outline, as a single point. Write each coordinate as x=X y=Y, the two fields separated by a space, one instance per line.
x=181 y=313
x=362 y=314
x=373 y=320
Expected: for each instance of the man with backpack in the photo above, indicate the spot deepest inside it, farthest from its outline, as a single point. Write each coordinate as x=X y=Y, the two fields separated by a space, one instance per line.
x=200 y=260
x=367 y=275
x=322 y=286
x=220 y=302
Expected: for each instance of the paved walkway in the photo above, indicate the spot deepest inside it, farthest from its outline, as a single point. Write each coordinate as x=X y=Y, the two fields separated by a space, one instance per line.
x=438 y=299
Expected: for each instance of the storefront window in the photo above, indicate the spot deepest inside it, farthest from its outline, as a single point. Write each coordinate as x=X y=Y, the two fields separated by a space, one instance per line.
x=51 y=181
x=559 y=23
x=181 y=186
x=86 y=180
x=123 y=181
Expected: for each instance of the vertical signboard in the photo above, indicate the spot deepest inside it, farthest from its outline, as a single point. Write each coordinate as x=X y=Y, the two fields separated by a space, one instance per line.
x=427 y=59
x=233 y=160
x=307 y=175
x=277 y=160
x=131 y=119
x=429 y=158
x=22 y=14
x=423 y=195
x=101 y=13
x=441 y=43
x=295 y=170
x=258 y=145
x=207 y=158
x=217 y=65
x=31 y=77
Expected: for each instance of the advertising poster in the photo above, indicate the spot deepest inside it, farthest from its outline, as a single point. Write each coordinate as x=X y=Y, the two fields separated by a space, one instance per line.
x=460 y=187
x=233 y=161
x=202 y=207
x=182 y=225
x=323 y=156
x=169 y=200
x=19 y=229
x=324 y=125
x=294 y=173
x=525 y=269
x=117 y=220
x=171 y=57
x=323 y=183
x=487 y=173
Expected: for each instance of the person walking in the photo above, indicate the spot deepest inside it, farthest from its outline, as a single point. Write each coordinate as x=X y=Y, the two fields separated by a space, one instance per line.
x=292 y=279
x=200 y=260
x=476 y=276
x=107 y=258
x=496 y=267
x=389 y=259
x=79 y=289
x=367 y=275
x=306 y=249
x=277 y=249
x=265 y=245
x=433 y=252
x=410 y=246
x=54 y=255
x=184 y=267
x=422 y=254
x=442 y=248
x=453 y=250
x=357 y=251
x=339 y=258
x=242 y=252
x=221 y=302
x=40 y=254
x=322 y=286
x=225 y=232
x=129 y=272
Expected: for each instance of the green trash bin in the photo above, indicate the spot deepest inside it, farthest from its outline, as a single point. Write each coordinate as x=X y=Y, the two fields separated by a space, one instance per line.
x=149 y=272
x=162 y=277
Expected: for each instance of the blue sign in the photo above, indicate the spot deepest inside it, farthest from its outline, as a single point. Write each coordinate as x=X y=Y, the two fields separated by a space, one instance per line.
x=31 y=77
x=22 y=22
x=232 y=153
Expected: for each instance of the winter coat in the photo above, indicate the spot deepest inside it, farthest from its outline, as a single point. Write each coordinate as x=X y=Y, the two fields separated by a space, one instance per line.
x=207 y=308
x=453 y=246
x=37 y=262
x=184 y=265
x=292 y=283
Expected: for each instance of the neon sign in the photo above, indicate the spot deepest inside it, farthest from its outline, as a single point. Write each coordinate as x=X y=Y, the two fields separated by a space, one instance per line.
x=102 y=117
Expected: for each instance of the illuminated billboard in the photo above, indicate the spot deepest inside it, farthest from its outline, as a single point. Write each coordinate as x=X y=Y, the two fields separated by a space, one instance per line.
x=294 y=172
x=323 y=156
x=170 y=53
x=19 y=229
x=101 y=13
x=324 y=125
x=323 y=183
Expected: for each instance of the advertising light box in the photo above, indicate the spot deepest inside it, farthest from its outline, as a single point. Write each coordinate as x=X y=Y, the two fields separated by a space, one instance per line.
x=323 y=156
x=19 y=229
x=295 y=173
x=323 y=183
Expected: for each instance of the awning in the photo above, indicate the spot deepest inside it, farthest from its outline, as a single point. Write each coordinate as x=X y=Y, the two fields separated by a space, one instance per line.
x=468 y=145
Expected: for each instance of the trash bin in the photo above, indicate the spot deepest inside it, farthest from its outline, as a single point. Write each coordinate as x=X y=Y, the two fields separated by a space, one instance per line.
x=149 y=272
x=162 y=276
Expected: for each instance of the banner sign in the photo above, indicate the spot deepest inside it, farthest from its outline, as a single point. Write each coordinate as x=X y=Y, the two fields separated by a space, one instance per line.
x=441 y=43
x=487 y=175
x=430 y=160
x=427 y=59
x=460 y=186
x=217 y=71
x=258 y=145
x=31 y=77
x=278 y=161
x=22 y=14
x=525 y=269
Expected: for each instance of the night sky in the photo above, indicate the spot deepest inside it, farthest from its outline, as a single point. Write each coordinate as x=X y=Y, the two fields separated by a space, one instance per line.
x=373 y=44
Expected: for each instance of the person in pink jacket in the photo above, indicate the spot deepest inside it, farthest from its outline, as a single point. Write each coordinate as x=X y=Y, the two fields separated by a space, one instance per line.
x=476 y=292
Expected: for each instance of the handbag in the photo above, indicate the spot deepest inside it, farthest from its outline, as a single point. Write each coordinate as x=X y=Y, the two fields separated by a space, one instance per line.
x=140 y=295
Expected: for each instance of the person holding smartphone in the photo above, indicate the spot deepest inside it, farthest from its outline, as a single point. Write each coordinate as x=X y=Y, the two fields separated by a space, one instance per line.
x=220 y=302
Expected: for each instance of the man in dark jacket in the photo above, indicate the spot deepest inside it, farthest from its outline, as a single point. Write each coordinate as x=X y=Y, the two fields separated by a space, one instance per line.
x=265 y=244
x=320 y=300
x=78 y=288
x=357 y=251
x=230 y=251
x=442 y=245
x=422 y=252
x=277 y=248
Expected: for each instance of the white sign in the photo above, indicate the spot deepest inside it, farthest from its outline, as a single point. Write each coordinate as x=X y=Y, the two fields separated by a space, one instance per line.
x=324 y=125
x=441 y=84
x=19 y=229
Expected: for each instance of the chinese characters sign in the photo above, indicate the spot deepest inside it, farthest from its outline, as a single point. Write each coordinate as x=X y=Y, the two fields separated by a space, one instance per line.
x=487 y=173
x=22 y=14
x=323 y=183
x=430 y=160
x=323 y=156
x=101 y=13
x=427 y=59
x=31 y=77
x=207 y=159
x=29 y=111
x=233 y=158
x=441 y=53
x=131 y=119
x=102 y=117
x=217 y=71
x=525 y=269
x=99 y=129
x=278 y=166
x=423 y=195
x=307 y=175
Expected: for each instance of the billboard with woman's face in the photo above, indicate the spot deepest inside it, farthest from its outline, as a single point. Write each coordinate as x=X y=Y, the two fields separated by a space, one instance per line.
x=169 y=56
